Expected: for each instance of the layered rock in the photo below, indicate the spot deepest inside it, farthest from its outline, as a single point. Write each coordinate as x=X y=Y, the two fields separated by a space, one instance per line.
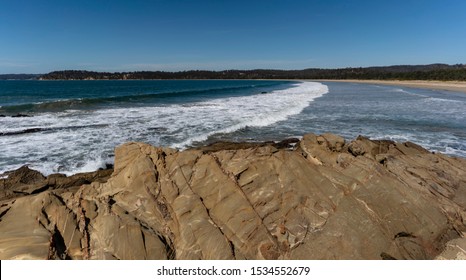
x=320 y=198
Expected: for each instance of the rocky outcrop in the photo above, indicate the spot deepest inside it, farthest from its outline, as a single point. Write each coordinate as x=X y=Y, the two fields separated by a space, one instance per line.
x=319 y=198
x=25 y=181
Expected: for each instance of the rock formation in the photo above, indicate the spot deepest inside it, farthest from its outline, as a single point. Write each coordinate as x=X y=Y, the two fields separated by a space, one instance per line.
x=314 y=198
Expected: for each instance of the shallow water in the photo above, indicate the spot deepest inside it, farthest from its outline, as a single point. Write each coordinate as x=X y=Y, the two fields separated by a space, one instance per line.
x=432 y=118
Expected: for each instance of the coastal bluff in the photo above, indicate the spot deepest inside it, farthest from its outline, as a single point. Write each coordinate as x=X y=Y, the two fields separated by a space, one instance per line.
x=319 y=197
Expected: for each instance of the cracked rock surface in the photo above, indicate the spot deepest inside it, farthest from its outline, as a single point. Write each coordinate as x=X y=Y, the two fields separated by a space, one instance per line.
x=314 y=198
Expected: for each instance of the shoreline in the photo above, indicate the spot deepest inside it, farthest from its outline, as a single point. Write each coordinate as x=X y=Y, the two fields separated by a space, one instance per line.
x=457 y=86
x=288 y=143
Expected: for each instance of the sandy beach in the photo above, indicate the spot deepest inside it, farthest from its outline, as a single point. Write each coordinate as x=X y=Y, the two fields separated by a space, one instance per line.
x=448 y=85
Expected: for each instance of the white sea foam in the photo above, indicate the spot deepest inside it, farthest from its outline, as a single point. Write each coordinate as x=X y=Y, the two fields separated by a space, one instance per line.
x=255 y=111
x=436 y=99
x=79 y=141
x=409 y=92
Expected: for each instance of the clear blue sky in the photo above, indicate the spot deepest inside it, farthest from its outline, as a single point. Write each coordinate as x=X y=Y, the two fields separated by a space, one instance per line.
x=115 y=35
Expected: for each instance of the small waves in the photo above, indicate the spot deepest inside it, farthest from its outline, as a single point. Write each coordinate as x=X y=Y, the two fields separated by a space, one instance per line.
x=409 y=92
x=122 y=99
x=50 y=106
x=50 y=129
x=436 y=99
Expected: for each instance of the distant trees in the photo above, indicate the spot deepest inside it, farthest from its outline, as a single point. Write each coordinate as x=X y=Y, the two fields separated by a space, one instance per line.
x=441 y=72
x=19 y=76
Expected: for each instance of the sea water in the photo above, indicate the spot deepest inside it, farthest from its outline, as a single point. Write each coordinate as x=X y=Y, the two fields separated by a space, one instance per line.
x=73 y=126
x=435 y=119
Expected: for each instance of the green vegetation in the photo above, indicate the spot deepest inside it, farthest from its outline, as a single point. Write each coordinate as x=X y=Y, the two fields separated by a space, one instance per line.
x=19 y=76
x=442 y=72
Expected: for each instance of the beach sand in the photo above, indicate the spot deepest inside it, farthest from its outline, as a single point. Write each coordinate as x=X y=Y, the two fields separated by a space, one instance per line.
x=449 y=85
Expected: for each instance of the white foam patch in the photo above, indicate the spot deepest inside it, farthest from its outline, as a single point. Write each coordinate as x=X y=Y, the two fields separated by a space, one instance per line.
x=429 y=141
x=443 y=100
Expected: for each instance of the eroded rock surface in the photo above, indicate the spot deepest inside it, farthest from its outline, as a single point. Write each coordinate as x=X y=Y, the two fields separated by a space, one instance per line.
x=320 y=198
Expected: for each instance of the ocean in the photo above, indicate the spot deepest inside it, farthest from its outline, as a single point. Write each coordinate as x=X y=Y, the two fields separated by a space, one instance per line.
x=73 y=126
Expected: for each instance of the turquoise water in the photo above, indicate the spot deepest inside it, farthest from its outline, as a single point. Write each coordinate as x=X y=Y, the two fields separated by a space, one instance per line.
x=42 y=96
x=73 y=126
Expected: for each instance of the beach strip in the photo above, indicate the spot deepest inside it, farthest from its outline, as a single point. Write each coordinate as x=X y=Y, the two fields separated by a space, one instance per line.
x=458 y=86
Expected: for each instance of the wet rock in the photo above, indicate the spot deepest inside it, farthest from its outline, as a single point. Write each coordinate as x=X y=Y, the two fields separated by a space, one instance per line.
x=24 y=175
x=287 y=143
x=20 y=116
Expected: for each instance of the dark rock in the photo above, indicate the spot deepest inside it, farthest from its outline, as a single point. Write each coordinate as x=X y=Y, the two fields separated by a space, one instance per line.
x=221 y=145
x=386 y=256
x=25 y=181
x=24 y=175
x=20 y=116
x=404 y=234
x=286 y=144
x=28 y=130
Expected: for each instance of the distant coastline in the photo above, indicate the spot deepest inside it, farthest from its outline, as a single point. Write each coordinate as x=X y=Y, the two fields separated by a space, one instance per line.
x=20 y=76
x=431 y=76
x=437 y=72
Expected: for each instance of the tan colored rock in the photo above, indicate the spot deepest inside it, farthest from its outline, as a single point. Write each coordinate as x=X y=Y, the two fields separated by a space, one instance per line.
x=334 y=142
x=454 y=250
x=25 y=181
x=322 y=199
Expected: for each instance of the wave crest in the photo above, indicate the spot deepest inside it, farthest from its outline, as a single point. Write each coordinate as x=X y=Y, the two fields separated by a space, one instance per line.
x=257 y=110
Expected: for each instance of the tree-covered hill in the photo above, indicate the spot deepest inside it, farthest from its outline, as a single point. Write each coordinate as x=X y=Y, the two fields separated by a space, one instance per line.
x=441 y=72
x=19 y=76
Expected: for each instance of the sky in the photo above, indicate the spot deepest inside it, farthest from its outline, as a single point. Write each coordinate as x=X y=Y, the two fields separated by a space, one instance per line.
x=39 y=36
